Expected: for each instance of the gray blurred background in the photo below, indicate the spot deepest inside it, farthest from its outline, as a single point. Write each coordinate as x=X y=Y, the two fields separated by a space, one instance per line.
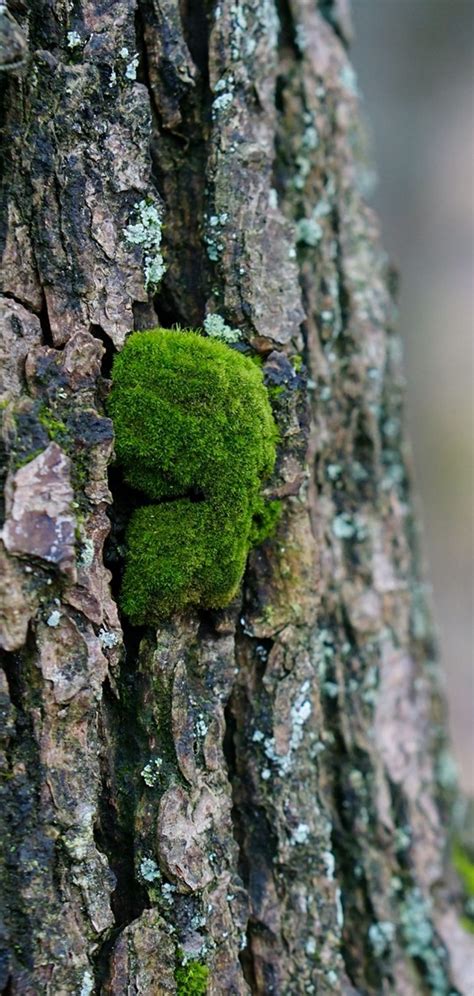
x=414 y=61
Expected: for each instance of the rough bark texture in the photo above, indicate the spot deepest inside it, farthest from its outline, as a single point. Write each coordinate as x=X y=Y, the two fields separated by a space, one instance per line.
x=263 y=788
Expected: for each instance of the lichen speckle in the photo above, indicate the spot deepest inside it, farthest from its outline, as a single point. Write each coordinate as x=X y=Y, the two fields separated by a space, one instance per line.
x=300 y=834
x=216 y=328
x=131 y=69
x=421 y=943
x=299 y=714
x=149 y=870
x=87 y=985
x=221 y=103
x=308 y=232
x=54 y=619
x=301 y=38
x=86 y=553
x=343 y=526
x=329 y=864
x=348 y=79
x=310 y=946
x=152 y=771
x=146 y=232
x=381 y=936
x=107 y=639
x=213 y=235
x=74 y=39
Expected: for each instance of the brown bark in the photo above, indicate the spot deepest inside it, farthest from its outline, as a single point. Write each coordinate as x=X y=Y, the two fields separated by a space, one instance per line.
x=262 y=788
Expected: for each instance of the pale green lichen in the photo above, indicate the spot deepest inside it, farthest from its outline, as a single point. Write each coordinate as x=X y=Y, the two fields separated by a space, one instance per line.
x=299 y=714
x=216 y=328
x=402 y=838
x=308 y=232
x=149 y=870
x=421 y=943
x=346 y=527
x=131 y=70
x=146 y=232
x=74 y=39
x=343 y=526
x=224 y=89
x=381 y=936
x=86 y=553
x=247 y=30
x=310 y=140
x=107 y=639
x=300 y=834
x=87 y=985
x=303 y=168
x=446 y=770
x=273 y=198
x=212 y=237
x=348 y=79
x=301 y=39
x=310 y=946
x=167 y=892
x=54 y=619
x=152 y=771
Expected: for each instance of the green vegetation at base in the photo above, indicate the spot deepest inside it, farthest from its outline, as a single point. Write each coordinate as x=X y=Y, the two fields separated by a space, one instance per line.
x=191 y=979
x=464 y=866
x=195 y=433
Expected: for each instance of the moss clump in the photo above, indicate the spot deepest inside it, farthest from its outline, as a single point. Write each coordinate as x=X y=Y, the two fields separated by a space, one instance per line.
x=191 y=979
x=54 y=427
x=265 y=520
x=193 y=423
x=464 y=866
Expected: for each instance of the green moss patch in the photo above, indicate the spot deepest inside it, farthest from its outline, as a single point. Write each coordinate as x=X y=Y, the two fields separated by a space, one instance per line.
x=191 y=979
x=195 y=433
x=465 y=868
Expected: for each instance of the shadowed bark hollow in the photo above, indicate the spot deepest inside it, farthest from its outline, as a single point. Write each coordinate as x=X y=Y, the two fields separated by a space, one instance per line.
x=263 y=790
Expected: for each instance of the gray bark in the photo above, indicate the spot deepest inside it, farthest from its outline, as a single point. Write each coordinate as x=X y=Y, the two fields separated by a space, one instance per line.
x=292 y=836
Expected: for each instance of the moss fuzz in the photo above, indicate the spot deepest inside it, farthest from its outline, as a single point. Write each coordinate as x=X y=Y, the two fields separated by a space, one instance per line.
x=191 y=979
x=193 y=423
x=465 y=869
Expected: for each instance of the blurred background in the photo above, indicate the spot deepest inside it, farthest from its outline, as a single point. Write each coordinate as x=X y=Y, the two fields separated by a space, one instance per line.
x=415 y=64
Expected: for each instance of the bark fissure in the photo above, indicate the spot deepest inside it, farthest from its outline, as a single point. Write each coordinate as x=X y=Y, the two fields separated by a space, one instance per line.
x=251 y=827
x=180 y=106
x=22 y=838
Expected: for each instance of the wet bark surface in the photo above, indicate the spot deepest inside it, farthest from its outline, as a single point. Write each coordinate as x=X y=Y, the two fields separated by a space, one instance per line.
x=264 y=790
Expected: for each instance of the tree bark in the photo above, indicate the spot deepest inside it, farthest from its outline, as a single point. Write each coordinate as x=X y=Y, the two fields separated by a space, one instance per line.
x=263 y=790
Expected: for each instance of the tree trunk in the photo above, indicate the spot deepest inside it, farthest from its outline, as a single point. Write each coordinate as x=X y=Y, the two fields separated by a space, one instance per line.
x=254 y=796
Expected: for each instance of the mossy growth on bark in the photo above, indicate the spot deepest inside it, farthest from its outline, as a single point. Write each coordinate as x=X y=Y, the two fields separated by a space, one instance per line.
x=195 y=434
x=191 y=979
x=464 y=866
